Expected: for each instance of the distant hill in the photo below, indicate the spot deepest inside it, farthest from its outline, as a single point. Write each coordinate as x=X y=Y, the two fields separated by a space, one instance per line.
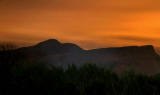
x=140 y=58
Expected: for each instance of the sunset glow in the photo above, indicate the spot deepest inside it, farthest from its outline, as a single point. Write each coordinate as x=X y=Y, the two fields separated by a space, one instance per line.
x=87 y=23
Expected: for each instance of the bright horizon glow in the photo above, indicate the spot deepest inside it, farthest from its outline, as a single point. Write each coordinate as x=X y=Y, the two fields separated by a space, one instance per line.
x=87 y=23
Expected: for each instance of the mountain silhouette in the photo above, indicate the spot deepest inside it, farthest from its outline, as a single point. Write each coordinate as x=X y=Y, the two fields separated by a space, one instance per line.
x=140 y=58
x=49 y=47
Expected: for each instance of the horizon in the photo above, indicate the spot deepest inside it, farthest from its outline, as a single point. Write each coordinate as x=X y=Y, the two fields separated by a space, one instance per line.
x=18 y=46
x=89 y=24
x=80 y=47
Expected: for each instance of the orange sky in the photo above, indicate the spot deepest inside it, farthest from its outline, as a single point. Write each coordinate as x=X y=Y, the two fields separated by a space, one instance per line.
x=88 y=23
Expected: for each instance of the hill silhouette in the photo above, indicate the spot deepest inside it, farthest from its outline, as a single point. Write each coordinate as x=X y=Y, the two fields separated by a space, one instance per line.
x=140 y=58
x=21 y=77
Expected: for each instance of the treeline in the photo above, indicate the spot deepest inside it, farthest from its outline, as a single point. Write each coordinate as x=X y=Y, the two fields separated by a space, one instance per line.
x=19 y=77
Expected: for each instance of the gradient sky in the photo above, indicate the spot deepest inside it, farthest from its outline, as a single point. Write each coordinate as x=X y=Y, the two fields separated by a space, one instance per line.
x=88 y=23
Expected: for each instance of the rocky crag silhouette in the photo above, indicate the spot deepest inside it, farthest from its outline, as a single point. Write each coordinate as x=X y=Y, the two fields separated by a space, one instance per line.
x=140 y=58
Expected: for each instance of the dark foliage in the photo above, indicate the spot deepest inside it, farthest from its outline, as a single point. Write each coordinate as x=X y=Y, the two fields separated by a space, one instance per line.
x=23 y=78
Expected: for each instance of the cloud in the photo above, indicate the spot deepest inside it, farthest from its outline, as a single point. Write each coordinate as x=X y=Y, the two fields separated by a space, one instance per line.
x=99 y=5
x=90 y=23
x=136 y=39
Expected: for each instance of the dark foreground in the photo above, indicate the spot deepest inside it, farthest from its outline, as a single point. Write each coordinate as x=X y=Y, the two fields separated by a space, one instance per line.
x=18 y=77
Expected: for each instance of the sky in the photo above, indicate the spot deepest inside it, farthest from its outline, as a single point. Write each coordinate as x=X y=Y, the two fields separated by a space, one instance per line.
x=87 y=23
